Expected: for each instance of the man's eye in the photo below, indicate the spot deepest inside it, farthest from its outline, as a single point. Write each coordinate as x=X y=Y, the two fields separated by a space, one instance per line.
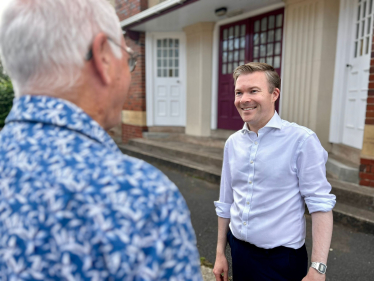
x=254 y=91
x=238 y=93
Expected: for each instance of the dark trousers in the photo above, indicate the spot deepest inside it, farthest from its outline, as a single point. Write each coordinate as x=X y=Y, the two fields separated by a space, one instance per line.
x=278 y=264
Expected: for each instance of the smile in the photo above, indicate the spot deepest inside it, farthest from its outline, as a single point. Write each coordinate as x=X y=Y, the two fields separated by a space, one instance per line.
x=249 y=108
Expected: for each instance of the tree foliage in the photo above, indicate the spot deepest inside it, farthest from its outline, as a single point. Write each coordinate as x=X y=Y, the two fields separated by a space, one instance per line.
x=6 y=95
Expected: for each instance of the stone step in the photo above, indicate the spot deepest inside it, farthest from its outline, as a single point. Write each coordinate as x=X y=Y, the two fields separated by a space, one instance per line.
x=192 y=168
x=342 y=169
x=353 y=194
x=205 y=155
x=353 y=217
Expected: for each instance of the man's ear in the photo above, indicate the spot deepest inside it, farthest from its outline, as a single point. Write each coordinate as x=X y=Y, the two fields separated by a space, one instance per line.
x=102 y=57
x=275 y=94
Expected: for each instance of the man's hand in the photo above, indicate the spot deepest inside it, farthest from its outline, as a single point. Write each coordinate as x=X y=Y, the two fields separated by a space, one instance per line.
x=314 y=275
x=221 y=266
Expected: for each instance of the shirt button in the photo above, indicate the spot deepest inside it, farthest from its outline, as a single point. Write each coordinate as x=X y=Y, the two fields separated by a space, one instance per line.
x=244 y=223
x=250 y=182
x=251 y=162
x=256 y=143
x=247 y=203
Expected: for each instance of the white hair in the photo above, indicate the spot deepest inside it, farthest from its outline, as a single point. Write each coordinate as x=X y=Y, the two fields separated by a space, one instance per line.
x=43 y=43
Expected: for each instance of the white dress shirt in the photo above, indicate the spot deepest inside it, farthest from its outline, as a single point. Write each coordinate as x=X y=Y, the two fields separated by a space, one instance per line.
x=267 y=178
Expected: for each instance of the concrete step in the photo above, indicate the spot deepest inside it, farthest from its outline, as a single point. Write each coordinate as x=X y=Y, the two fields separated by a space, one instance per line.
x=342 y=169
x=189 y=167
x=210 y=156
x=353 y=194
x=353 y=217
x=355 y=203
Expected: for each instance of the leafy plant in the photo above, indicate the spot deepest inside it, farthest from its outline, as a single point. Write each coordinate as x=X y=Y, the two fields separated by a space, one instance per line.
x=6 y=95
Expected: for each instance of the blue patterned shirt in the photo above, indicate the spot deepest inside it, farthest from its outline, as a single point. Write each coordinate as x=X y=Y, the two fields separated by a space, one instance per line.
x=73 y=207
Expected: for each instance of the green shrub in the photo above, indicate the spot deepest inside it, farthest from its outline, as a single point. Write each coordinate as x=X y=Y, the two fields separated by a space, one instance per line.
x=6 y=98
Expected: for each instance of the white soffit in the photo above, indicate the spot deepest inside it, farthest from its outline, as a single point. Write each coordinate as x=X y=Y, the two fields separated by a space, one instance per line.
x=200 y=11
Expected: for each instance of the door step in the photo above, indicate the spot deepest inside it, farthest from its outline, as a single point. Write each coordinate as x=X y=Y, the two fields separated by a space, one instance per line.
x=202 y=158
x=342 y=169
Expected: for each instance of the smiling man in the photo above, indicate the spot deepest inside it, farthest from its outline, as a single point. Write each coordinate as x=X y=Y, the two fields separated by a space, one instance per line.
x=271 y=168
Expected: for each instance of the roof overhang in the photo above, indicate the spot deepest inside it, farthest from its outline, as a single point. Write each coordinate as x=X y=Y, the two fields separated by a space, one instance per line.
x=173 y=15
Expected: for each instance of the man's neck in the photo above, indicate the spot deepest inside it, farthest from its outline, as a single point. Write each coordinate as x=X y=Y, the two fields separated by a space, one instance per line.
x=256 y=129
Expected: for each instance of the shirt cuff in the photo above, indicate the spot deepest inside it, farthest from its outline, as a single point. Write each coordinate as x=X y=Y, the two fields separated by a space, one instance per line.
x=222 y=209
x=320 y=204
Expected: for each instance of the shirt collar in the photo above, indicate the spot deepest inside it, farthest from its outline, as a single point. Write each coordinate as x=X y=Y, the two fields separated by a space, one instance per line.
x=275 y=122
x=58 y=112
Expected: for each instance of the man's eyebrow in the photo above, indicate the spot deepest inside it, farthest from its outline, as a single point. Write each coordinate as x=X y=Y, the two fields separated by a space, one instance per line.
x=249 y=88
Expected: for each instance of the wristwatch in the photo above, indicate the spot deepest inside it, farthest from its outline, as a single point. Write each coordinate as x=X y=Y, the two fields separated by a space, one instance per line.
x=319 y=266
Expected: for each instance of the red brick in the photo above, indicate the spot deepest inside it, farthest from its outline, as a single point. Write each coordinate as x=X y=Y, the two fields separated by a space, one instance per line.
x=369 y=114
x=366 y=161
x=370 y=100
x=366 y=176
x=371 y=92
x=368 y=169
x=370 y=107
x=364 y=182
x=369 y=121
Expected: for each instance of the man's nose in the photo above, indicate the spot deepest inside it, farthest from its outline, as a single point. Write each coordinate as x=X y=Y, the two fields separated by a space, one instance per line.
x=245 y=98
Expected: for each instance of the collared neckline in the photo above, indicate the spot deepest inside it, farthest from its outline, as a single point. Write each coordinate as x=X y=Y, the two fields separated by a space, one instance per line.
x=274 y=122
x=60 y=113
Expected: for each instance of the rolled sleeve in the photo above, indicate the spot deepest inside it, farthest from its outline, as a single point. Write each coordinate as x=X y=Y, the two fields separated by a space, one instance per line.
x=311 y=170
x=226 y=193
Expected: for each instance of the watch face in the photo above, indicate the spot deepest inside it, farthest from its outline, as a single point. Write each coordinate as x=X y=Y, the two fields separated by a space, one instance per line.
x=322 y=268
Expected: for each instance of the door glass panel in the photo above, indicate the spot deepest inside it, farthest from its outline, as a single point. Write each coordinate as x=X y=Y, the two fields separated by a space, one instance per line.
x=165 y=73
x=230 y=56
x=224 y=57
x=176 y=63
x=256 y=39
x=159 y=73
x=368 y=26
x=279 y=20
x=370 y=6
x=270 y=50
x=276 y=62
x=170 y=63
x=176 y=73
x=159 y=53
x=224 y=34
x=158 y=63
x=355 y=54
x=224 y=68
x=364 y=11
x=264 y=23
x=176 y=42
x=263 y=60
x=176 y=53
x=231 y=45
x=255 y=51
x=262 y=50
x=237 y=30
x=167 y=54
x=263 y=38
x=257 y=26
x=358 y=12
x=269 y=60
x=165 y=64
x=236 y=55
x=242 y=32
x=367 y=45
x=270 y=36
x=278 y=34
x=361 y=46
x=242 y=55
x=231 y=32
x=224 y=45
x=271 y=22
x=229 y=68
x=363 y=28
x=277 y=48
x=170 y=73
x=158 y=43
x=171 y=41
x=236 y=43
x=242 y=42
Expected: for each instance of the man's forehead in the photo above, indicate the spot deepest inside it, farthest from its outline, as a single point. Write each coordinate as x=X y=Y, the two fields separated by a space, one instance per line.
x=251 y=79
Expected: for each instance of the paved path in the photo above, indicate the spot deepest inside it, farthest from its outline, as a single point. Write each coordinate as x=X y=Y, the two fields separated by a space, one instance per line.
x=351 y=255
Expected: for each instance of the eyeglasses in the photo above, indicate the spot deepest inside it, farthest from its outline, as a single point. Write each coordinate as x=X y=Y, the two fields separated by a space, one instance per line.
x=132 y=60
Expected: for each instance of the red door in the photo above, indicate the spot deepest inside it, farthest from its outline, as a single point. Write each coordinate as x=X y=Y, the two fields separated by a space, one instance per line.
x=255 y=39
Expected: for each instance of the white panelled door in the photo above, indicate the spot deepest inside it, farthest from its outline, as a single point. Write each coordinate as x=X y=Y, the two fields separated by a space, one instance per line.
x=169 y=81
x=358 y=74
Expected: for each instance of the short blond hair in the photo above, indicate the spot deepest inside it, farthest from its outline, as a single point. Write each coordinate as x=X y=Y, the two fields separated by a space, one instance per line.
x=272 y=76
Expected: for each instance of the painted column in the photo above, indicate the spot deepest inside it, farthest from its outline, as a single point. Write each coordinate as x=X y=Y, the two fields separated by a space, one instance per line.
x=367 y=152
x=134 y=109
x=310 y=39
x=199 y=76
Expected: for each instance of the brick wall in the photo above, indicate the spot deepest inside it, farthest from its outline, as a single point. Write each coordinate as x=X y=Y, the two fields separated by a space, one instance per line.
x=367 y=165
x=136 y=40
x=128 y=8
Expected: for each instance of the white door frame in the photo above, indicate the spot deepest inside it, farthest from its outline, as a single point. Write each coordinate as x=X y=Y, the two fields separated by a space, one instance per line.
x=150 y=72
x=343 y=50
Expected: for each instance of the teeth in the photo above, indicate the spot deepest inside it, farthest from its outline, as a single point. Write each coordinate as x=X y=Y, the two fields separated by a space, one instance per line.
x=249 y=108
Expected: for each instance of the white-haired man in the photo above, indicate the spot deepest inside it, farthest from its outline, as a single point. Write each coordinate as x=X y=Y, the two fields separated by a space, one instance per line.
x=72 y=206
